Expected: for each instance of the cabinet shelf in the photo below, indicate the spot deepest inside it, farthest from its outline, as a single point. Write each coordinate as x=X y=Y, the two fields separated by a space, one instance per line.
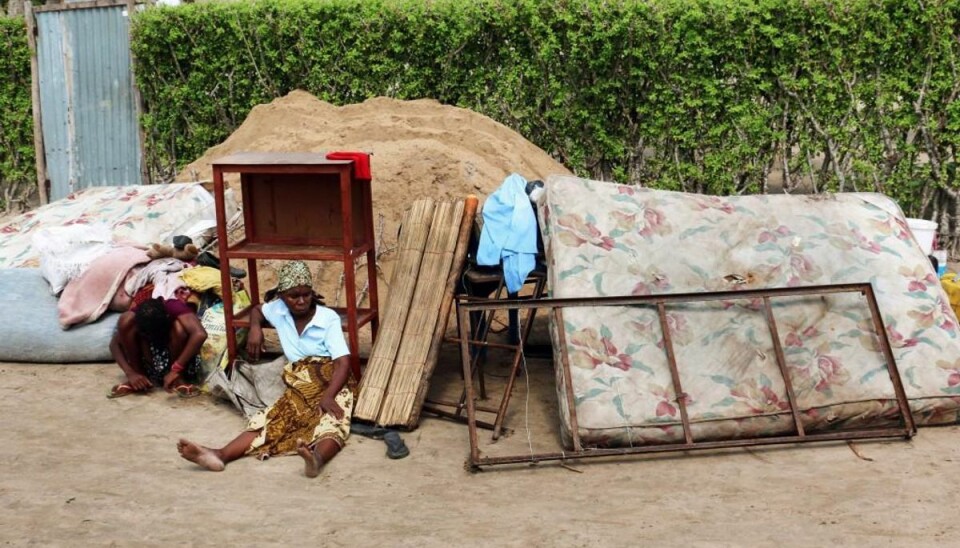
x=364 y=316
x=250 y=250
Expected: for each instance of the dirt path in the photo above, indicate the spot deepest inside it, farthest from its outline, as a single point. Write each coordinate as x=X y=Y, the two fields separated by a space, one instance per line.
x=80 y=470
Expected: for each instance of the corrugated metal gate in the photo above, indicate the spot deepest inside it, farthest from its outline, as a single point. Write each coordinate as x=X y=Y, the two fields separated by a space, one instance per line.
x=88 y=104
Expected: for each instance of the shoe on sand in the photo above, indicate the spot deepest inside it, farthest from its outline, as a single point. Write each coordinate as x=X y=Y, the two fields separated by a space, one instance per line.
x=123 y=389
x=396 y=449
x=368 y=430
x=209 y=259
x=186 y=390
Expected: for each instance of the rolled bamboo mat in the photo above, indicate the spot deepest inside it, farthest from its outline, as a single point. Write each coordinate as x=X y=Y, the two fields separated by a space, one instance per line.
x=450 y=288
x=422 y=320
x=416 y=228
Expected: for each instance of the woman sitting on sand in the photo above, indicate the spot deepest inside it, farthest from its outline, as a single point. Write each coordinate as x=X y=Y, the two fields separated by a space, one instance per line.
x=157 y=343
x=312 y=417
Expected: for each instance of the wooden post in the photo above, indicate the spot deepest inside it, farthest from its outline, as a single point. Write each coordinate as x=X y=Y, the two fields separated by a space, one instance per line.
x=14 y=9
x=38 y=149
x=138 y=99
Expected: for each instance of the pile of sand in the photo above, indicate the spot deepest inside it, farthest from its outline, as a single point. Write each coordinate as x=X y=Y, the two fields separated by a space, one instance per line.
x=421 y=149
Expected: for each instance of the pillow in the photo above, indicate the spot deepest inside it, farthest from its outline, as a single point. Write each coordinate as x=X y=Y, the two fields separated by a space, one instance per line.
x=66 y=251
x=31 y=331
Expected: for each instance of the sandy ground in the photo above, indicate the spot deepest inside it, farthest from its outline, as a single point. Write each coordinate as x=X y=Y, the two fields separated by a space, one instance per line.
x=79 y=469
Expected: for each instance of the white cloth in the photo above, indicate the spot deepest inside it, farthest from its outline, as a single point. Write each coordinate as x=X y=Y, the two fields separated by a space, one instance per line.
x=164 y=274
x=66 y=251
x=250 y=387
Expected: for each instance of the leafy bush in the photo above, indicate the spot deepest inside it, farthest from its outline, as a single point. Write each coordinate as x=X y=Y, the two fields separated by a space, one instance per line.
x=700 y=95
x=713 y=96
x=17 y=164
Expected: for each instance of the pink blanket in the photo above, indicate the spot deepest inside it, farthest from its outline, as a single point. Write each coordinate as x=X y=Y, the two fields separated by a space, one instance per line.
x=87 y=297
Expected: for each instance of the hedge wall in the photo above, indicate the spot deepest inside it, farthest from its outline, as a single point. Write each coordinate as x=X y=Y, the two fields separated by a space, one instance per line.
x=702 y=95
x=717 y=96
x=18 y=177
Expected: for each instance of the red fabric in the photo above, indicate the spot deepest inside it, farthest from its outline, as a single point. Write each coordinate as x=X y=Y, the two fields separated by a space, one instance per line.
x=361 y=162
x=145 y=292
x=174 y=307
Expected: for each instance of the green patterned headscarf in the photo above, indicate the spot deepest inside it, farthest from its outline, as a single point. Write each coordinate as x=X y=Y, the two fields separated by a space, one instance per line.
x=293 y=274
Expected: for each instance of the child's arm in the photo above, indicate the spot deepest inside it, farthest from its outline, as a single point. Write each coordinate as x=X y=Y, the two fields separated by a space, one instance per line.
x=125 y=349
x=196 y=335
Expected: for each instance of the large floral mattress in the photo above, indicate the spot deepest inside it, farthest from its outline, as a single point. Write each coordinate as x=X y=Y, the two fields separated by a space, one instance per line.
x=604 y=239
x=140 y=214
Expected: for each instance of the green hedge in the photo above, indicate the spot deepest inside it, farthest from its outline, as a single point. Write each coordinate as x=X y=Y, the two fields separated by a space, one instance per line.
x=700 y=95
x=17 y=161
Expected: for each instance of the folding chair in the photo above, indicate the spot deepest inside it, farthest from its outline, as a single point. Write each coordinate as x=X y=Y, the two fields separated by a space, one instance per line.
x=479 y=283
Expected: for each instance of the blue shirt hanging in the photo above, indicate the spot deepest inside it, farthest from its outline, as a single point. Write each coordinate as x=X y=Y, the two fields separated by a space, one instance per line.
x=509 y=235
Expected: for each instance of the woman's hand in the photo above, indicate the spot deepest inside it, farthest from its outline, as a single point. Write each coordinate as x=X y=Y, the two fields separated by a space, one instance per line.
x=328 y=404
x=254 y=342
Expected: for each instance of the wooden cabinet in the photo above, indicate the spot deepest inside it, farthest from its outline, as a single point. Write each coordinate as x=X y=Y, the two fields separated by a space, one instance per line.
x=299 y=206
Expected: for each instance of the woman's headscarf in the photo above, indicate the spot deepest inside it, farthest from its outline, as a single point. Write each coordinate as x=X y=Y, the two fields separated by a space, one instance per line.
x=293 y=274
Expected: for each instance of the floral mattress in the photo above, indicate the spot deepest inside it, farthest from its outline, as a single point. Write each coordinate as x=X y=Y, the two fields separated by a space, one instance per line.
x=139 y=214
x=604 y=239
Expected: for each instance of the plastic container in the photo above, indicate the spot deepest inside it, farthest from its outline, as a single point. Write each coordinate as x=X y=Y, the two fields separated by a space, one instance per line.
x=941 y=256
x=923 y=231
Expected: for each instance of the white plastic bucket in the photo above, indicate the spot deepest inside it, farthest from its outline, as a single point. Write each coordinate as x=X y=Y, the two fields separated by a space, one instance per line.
x=923 y=231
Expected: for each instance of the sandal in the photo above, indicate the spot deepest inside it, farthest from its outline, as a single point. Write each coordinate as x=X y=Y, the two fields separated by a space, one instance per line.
x=121 y=390
x=187 y=390
x=396 y=449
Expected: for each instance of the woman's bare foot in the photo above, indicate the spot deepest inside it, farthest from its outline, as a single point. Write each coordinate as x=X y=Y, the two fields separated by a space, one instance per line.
x=200 y=455
x=312 y=461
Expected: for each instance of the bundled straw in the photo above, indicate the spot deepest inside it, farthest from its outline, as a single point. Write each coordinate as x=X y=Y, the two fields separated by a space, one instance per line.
x=422 y=320
x=373 y=386
x=433 y=250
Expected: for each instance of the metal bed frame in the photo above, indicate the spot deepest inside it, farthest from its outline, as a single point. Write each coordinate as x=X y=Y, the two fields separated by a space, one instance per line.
x=476 y=461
